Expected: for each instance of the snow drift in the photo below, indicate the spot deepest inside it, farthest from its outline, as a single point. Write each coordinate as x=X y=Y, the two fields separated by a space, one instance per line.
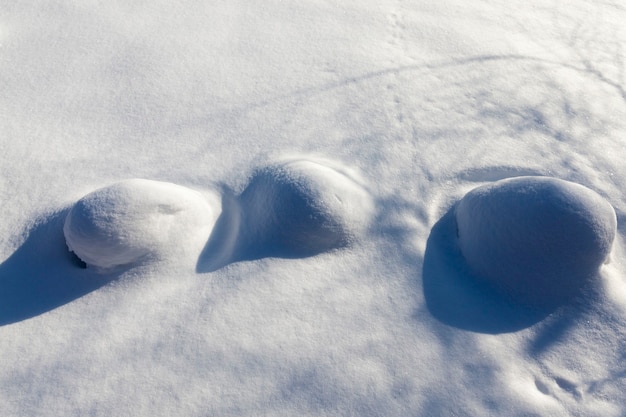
x=301 y=208
x=538 y=239
x=137 y=219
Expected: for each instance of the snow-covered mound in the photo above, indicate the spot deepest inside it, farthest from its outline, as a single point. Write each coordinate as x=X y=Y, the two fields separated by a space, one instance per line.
x=538 y=239
x=301 y=208
x=134 y=219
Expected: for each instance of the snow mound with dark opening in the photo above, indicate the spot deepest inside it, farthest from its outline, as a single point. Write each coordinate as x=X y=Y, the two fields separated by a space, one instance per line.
x=136 y=219
x=538 y=239
x=302 y=208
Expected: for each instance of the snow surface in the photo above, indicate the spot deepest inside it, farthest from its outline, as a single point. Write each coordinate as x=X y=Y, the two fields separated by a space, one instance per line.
x=378 y=314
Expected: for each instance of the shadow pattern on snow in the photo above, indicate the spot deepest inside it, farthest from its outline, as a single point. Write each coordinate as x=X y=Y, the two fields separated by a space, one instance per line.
x=42 y=274
x=456 y=297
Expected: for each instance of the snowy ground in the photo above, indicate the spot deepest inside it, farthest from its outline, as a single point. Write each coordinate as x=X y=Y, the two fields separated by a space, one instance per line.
x=394 y=110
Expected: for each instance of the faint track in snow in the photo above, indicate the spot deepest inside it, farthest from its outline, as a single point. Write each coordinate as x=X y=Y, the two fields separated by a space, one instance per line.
x=397 y=42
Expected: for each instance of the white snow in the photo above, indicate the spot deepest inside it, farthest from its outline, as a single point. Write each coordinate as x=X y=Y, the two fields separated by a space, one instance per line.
x=317 y=151
x=292 y=208
x=137 y=219
x=539 y=239
x=302 y=207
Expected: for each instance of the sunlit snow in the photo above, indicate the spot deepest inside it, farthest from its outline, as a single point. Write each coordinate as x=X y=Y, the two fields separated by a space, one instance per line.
x=312 y=208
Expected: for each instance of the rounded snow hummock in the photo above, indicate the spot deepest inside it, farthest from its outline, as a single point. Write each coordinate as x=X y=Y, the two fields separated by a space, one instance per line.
x=135 y=219
x=300 y=208
x=538 y=239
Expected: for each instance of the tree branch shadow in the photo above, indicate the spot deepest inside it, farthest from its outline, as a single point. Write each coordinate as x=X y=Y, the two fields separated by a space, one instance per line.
x=584 y=68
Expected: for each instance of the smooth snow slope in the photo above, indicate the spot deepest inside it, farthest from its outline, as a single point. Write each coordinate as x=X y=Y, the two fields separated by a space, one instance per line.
x=414 y=103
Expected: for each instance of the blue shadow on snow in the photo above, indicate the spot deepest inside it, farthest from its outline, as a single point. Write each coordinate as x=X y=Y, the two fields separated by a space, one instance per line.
x=456 y=297
x=42 y=274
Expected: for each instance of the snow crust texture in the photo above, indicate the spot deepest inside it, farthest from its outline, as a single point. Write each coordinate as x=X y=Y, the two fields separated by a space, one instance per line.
x=300 y=208
x=136 y=219
x=538 y=239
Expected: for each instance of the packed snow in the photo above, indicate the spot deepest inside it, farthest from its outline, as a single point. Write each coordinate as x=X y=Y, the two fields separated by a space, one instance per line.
x=358 y=208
